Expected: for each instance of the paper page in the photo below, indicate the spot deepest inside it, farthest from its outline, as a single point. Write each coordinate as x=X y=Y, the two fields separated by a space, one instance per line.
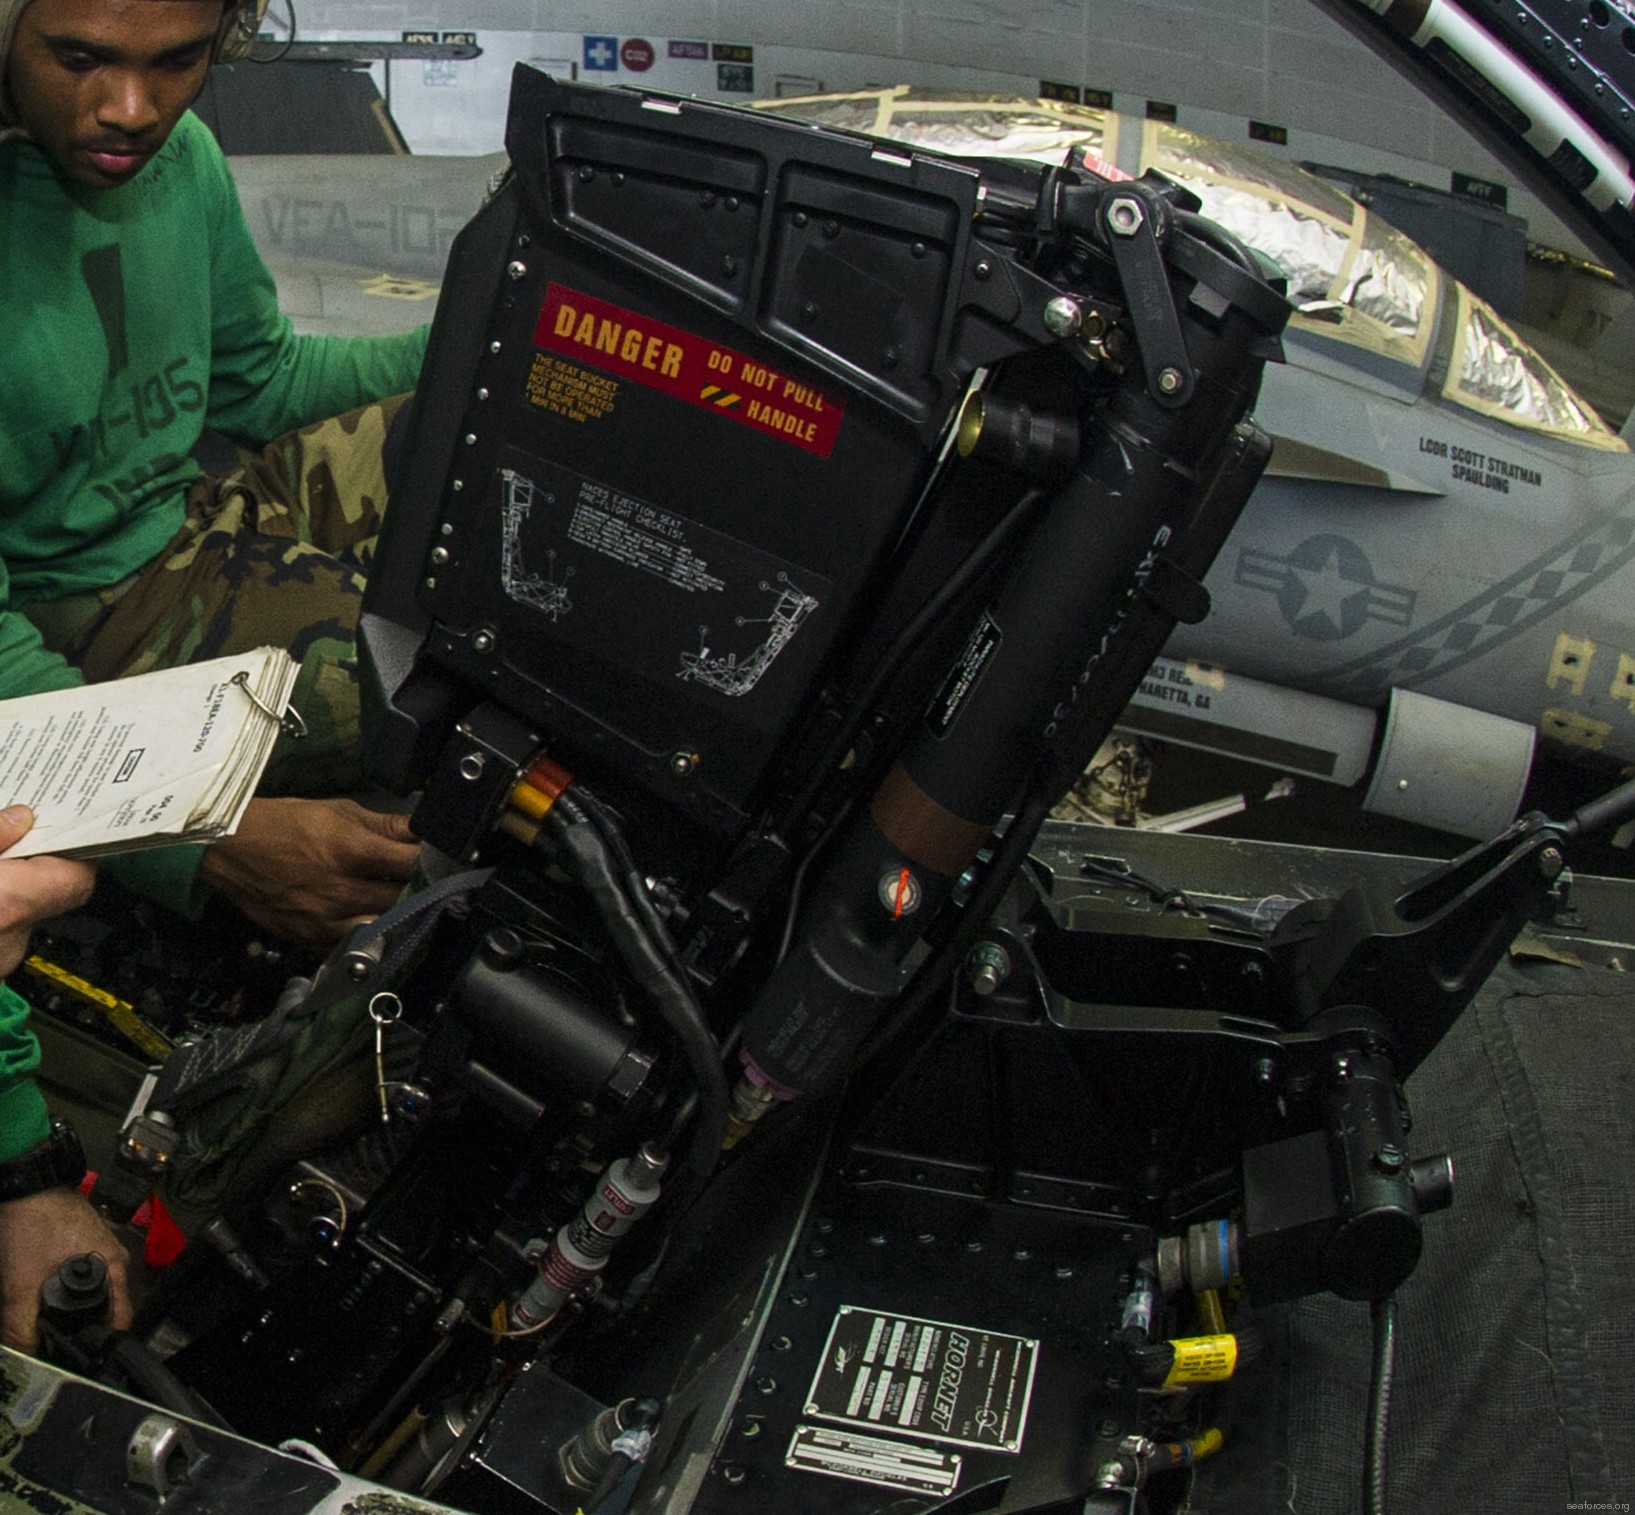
x=106 y=766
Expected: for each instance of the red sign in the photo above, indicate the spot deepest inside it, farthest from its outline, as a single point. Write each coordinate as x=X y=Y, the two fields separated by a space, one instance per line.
x=688 y=367
x=636 y=54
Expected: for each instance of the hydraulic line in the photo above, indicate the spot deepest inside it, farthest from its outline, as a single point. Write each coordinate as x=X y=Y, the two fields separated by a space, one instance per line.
x=1379 y=1405
x=653 y=968
x=908 y=640
x=1182 y=1454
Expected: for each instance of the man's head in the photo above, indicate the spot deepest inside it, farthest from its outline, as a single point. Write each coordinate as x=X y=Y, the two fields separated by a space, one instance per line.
x=100 y=84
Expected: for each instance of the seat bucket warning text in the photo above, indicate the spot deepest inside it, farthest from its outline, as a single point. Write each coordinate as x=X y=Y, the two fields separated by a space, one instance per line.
x=688 y=367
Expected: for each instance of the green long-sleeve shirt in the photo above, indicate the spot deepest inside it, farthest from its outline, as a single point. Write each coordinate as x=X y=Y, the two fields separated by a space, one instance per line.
x=134 y=317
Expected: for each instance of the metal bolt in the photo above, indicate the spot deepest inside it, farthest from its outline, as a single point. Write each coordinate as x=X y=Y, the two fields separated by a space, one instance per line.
x=801 y=218
x=439 y=555
x=431 y=583
x=493 y=346
x=1551 y=861
x=984 y=271
x=1110 y=1475
x=734 y=1473
x=766 y=1386
x=1125 y=217
x=586 y=173
x=1170 y=381
x=800 y=1301
x=1390 y=1158
x=446 y=529
x=483 y=641
x=781 y=1343
x=471 y=767
x=1402 y=784
x=471 y=439
x=357 y=970
x=808 y=312
x=458 y=485
x=987 y=967
x=1064 y=1272
x=1265 y=1069
x=516 y=269
x=682 y=764
x=729 y=266
x=482 y=394
x=831 y=229
x=973 y=1245
x=1063 y=316
x=918 y=250
x=878 y=1239
x=752 y=1429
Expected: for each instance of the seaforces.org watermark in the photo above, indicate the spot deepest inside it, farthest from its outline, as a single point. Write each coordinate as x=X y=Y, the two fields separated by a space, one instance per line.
x=1604 y=1504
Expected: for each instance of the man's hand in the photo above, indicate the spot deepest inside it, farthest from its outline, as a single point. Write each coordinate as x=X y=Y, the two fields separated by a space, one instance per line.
x=33 y=889
x=311 y=870
x=37 y=1236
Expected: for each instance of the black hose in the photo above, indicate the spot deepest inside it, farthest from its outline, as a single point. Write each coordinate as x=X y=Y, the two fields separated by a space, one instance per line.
x=797 y=885
x=612 y=833
x=1213 y=234
x=644 y=1417
x=651 y=964
x=1379 y=1405
x=1596 y=815
x=906 y=642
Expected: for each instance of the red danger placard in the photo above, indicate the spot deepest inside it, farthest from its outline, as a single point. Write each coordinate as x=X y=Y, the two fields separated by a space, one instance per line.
x=688 y=367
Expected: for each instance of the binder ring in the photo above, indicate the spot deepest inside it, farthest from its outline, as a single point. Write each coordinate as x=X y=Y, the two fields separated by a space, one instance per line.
x=290 y=722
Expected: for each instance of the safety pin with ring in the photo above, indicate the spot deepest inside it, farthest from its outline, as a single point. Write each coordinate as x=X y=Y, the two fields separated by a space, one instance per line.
x=290 y=722
x=384 y=1009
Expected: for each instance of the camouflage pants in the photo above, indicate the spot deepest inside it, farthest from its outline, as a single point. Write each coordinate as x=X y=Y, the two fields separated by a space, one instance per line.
x=272 y=554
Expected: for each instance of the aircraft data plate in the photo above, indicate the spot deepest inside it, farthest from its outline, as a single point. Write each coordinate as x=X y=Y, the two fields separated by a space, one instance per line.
x=874 y=1459
x=929 y=1378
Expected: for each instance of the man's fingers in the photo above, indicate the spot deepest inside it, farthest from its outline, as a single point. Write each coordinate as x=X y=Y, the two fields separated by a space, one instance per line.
x=378 y=845
x=120 y=1312
x=389 y=862
x=15 y=821
x=362 y=900
x=17 y=1328
x=392 y=826
x=47 y=886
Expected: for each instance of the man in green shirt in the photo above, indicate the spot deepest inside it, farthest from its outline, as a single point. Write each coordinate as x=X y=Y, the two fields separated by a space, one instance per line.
x=137 y=313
